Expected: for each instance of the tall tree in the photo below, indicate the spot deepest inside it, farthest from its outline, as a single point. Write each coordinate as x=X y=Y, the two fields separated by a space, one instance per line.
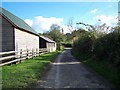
x=56 y=34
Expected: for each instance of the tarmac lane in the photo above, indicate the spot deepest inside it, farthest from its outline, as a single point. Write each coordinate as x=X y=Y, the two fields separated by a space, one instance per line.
x=68 y=72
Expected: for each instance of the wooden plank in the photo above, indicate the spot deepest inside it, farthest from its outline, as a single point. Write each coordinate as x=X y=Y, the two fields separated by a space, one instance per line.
x=10 y=52
x=22 y=56
x=8 y=57
x=10 y=62
x=16 y=60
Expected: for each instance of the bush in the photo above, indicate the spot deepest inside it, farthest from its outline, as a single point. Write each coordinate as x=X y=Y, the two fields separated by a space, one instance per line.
x=108 y=48
x=60 y=46
x=84 y=44
x=102 y=53
x=105 y=47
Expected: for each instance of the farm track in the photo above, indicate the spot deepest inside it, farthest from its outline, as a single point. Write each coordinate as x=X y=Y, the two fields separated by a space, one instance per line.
x=67 y=72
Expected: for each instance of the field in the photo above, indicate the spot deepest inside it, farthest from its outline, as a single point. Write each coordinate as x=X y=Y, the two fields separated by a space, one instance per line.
x=26 y=73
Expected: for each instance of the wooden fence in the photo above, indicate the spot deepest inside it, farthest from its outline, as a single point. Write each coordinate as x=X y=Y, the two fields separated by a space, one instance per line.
x=17 y=56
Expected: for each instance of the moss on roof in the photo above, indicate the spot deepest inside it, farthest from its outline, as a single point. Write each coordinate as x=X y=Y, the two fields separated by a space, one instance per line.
x=16 y=21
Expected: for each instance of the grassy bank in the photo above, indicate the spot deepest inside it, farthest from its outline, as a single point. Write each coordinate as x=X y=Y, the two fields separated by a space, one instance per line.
x=26 y=73
x=101 y=52
x=104 y=68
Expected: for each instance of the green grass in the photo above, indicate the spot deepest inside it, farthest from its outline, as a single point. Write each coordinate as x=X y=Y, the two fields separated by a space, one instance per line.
x=26 y=73
x=104 y=68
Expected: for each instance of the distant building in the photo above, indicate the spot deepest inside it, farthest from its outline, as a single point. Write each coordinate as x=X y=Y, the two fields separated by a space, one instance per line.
x=47 y=43
x=16 y=34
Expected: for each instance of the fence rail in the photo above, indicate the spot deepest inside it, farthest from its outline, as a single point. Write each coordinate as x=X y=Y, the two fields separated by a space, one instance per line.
x=17 y=56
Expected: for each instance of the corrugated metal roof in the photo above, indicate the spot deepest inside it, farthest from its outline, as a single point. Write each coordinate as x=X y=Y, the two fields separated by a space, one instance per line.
x=16 y=21
x=47 y=39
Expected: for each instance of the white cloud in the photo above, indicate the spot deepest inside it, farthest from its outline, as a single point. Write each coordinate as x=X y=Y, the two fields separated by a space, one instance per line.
x=94 y=11
x=42 y=24
x=109 y=20
x=65 y=28
x=29 y=22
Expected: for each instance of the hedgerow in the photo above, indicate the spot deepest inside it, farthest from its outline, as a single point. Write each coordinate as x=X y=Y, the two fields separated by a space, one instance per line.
x=105 y=47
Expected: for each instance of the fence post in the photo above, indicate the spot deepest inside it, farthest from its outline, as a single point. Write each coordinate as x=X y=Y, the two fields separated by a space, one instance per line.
x=32 y=53
x=27 y=54
x=20 y=55
x=40 y=51
x=36 y=51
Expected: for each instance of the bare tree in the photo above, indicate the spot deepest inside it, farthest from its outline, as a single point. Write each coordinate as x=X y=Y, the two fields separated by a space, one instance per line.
x=70 y=24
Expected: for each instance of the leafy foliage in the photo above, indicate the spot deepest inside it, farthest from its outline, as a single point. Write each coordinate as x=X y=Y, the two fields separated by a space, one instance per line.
x=84 y=44
x=56 y=35
x=108 y=48
x=101 y=52
x=104 y=47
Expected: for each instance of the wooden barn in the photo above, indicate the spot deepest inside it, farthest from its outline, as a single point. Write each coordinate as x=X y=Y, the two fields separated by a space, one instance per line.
x=15 y=34
x=47 y=43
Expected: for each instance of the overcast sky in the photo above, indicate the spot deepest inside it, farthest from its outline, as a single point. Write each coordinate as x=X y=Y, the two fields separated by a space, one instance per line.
x=41 y=15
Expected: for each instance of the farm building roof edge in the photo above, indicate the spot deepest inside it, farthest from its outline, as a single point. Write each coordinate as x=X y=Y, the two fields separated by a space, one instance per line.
x=16 y=21
x=47 y=39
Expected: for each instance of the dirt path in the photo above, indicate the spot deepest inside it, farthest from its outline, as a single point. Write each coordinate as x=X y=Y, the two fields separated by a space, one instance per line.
x=67 y=72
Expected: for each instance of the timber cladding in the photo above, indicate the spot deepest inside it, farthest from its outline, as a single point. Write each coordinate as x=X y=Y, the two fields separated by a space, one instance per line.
x=25 y=40
x=51 y=46
x=7 y=36
x=14 y=39
x=47 y=43
x=16 y=34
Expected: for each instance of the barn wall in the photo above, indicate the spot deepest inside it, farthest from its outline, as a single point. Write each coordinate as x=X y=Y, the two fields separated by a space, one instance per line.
x=51 y=46
x=45 y=44
x=48 y=46
x=54 y=46
x=42 y=43
x=7 y=36
x=25 y=40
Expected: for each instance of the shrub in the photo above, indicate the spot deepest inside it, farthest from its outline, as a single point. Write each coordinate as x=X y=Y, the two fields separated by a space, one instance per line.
x=100 y=52
x=60 y=46
x=84 y=44
x=108 y=48
x=105 y=47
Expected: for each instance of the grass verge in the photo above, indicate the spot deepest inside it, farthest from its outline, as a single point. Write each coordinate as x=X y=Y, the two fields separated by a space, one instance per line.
x=26 y=73
x=105 y=69
x=102 y=67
